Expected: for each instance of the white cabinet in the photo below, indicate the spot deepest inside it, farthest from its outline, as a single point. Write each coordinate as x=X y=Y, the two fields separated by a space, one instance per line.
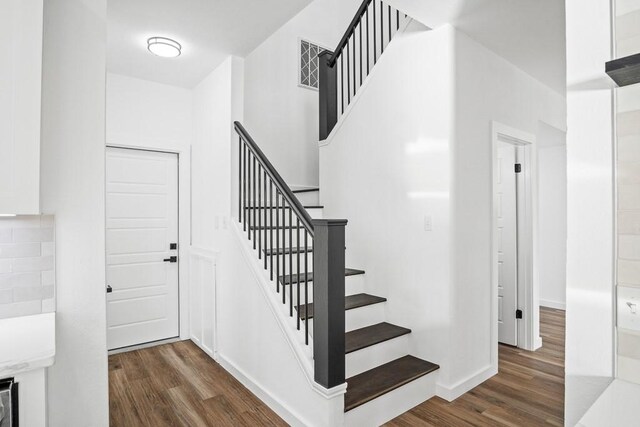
x=20 y=94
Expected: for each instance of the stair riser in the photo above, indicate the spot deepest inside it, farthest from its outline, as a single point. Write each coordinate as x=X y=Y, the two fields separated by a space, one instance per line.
x=309 y=198
x=394 y=403
x=352 y=285
x=376 y=355
x=315 y=213
x=360 y=317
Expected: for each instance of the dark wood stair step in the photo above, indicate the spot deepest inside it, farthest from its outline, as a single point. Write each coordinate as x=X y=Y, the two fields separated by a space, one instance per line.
x=371 y=335
x=286 y=251
x=365 y=387
x=286 y=227
x=306 y=190
x=350 y=302
x=285 y=207
x=300 y=278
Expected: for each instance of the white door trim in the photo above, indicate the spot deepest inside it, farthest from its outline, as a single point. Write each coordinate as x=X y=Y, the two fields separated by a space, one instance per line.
x=184 y=226
x=528 y=328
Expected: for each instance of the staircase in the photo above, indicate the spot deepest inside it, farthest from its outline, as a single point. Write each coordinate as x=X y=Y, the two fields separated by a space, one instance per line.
x=304 y=258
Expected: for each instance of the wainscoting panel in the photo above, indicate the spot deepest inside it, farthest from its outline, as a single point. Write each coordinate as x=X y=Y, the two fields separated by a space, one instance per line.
x=202 y=310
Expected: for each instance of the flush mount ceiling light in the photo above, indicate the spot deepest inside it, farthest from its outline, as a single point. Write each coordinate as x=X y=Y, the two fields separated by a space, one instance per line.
x=164 y=47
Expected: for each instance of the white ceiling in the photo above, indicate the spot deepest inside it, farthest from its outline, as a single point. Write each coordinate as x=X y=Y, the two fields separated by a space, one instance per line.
x=209 y=30
x=528 y=33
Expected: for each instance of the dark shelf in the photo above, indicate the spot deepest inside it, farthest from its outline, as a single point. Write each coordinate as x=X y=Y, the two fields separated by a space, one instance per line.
x=625 y=71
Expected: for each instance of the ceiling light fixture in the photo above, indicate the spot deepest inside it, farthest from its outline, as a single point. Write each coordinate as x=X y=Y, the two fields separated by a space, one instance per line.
x=164 y=47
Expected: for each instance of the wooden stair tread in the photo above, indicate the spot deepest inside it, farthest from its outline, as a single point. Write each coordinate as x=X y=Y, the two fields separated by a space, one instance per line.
x=371 y=335
x=286 y=251
x=350 y=302
x=305 y=190
x=284 y=207
x=268 y=227
x=300 y=278
x=364 y=387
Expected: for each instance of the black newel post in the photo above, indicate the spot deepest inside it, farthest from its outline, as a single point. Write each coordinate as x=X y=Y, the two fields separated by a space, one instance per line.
x=328 y=87
x=328 y=301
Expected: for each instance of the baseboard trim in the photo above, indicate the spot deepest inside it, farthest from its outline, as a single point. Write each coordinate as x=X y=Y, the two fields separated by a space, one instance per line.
x=451 y=393
x=286 y=413
x=553 y=304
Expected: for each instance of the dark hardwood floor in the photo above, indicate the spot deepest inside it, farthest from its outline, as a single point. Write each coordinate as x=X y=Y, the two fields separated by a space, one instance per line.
x=528 y=390
x=179 y=385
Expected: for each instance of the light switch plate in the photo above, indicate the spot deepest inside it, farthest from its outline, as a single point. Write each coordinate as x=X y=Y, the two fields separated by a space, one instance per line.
x=629 y=308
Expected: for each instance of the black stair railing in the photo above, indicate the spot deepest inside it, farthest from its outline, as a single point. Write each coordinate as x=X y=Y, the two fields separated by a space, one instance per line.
x=343 y=71
x=282 y=232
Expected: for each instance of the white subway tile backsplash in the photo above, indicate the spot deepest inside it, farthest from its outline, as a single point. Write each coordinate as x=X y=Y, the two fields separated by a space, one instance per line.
x=21 y=235
x=629 y=247
x=629 y=272
x=32 y=264
x=6 y=235
x=628 y=123
x=6 y=296
x=626 y=6
x=27 y=265
x=19 y=250
x=628 y=197
x=628 y=172
x=629 y=222
x=629 y=148
x=16 y=309
x=20 y=280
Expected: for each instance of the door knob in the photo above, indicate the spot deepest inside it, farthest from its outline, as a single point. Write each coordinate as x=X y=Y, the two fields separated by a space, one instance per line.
x=171 y=259
x=109 y=289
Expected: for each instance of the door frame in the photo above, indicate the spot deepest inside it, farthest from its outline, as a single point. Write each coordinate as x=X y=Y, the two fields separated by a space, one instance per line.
x=528 y=327
x=184 y=225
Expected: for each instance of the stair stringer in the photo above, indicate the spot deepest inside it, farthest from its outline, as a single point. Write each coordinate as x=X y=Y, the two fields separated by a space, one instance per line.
x=312 y=405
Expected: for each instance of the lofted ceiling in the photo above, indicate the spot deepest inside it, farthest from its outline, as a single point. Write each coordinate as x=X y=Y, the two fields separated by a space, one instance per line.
x=209 y=30
x=528 y=33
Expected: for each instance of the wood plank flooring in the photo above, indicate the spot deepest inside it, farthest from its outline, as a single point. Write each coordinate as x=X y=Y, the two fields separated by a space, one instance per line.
x=528 y=390
x=179 y=385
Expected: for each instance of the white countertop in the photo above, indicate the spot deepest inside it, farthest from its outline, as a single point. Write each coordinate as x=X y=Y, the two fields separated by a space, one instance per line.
x=617 y=406
x=27 y=343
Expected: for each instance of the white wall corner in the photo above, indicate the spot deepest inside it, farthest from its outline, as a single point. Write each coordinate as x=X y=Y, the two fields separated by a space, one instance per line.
x=452 y=392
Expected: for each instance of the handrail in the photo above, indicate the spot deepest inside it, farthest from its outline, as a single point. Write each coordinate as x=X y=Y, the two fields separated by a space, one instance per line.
x=280 y=184
x=352 y=27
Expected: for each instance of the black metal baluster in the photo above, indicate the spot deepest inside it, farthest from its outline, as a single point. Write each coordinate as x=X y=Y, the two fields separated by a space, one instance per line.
x=250 y=200
x=375 y=48
x=355 y=62
x=389 y=23
x=277 y=254
x=381 y=28
x=298 y=271
x=306 y=288
x=348 y=77
x=271 y=228
x=397 y=19
x=360 y=52
x=258 y=210
x=263 y=213
x=240 y=180
x=284 y=252
x=368 y=54
x=253 y=210
x=244 y=184
x=291 y=261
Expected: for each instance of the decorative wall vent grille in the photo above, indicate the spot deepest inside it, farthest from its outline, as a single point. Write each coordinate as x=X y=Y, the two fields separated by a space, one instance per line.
x=309 y=64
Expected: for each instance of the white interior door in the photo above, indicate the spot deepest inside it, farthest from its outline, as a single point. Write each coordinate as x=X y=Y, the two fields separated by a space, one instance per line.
x=507 y=244
x=142 y=223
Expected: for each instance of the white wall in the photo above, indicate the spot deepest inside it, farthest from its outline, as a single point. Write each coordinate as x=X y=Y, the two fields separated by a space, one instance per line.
x=153 y=116
x=146 y=114
x=552 y=217
x=590 y=206
x=385 y=168
x=72 y=189
x=488 y=88
x=432 y=157
x=281 y=116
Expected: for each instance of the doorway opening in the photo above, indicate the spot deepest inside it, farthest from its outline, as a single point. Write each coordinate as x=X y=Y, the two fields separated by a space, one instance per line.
x=515 y=316
x=143 y=304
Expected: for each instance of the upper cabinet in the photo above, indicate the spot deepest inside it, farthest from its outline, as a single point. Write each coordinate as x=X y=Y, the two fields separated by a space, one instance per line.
x=20 y=94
